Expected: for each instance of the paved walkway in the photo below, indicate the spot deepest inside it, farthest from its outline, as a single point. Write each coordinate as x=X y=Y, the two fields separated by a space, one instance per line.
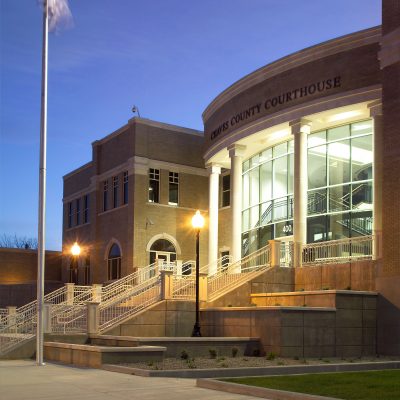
x=21 y=380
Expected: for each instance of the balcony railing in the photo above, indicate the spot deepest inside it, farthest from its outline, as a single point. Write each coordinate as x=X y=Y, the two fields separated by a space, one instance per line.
x=338 y=251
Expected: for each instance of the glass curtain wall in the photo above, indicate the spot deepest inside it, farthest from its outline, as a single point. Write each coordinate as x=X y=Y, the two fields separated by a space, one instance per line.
x=267 y=196
x=340 y=182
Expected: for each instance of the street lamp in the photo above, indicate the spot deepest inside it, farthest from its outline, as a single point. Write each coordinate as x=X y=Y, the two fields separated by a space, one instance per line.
x=197 y=223
x=75 y=251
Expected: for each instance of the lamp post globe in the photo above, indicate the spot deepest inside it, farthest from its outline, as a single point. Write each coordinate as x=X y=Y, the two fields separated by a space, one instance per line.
x=75 y=251
x=197 y=223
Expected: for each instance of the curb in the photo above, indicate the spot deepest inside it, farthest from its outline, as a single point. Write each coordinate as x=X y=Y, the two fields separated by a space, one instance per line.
x=264 y=393
x=253 y=371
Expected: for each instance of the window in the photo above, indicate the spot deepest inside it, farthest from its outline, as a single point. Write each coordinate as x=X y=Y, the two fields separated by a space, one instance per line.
x=340 y=182
x=267 y=196
x=70 y=214
x=163 y=249
x=173 y=188
x=105 y=195
x=154 y=185
x=125 y=187
x=86 y=209
x=226 y=190
x=86 y=271
x=78 y=211
x=115 y=191
x=114 y=262
x=224 y=259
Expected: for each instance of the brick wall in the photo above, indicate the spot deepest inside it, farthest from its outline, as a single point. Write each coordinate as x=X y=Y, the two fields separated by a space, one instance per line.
x=20 y=266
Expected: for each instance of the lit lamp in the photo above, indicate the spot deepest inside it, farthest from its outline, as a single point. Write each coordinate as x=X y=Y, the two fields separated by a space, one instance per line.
x=197 y=223
x=75 y=251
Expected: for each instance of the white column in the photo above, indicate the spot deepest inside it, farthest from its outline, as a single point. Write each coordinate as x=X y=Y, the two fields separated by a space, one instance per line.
x=97 y=289
x=213 y=205
x=300 y=129
x=92 y=318
x=70 y=288
x=236 y=154
x=375 y=109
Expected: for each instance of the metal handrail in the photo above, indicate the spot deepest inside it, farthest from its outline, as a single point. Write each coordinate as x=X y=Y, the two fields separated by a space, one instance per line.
x=334 y=251
x=184 y=287
x=238 y=272
x=220 y=264
x=128 y=305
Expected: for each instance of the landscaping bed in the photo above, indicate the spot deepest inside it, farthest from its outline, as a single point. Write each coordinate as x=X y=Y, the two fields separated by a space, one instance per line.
x=188 y=362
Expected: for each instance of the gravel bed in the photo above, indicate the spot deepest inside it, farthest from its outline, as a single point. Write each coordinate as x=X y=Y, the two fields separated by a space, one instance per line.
x=243 y=362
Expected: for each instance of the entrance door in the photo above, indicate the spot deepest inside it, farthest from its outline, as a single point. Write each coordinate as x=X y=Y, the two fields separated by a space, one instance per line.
x=161 y=255
x=163 y=250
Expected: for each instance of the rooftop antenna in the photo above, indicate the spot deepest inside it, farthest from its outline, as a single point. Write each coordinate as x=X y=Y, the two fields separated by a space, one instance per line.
x=135 y=109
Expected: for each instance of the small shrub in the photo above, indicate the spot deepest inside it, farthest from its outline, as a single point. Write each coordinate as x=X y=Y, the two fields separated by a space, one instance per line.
x=191 y=365
x=295 y=358
x=150 y=364
x=301 y=290
x=281 y=362
x=304 y=305
x=235 y=351
x=256 y=353
x=213 y=353
x=184 y=355
x=221 y=359
x=224 y=365
x=325 y=288
x=326 y=361
x=271 y=356
x=348 y=288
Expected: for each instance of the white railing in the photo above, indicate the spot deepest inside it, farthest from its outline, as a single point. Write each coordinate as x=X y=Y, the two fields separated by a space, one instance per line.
x=238 y=272
x=184 y=287
x=67 y=319
x=143 y=274
x=21 y=326
x=217 y=266
x=3 y=317
x=126 y=306
x=338 y=251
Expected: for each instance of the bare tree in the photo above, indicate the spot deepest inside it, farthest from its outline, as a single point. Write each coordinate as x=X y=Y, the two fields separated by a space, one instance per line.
x=18 y=242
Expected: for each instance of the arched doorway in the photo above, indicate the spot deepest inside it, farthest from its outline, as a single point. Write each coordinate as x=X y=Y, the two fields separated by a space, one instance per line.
x=162 y=249
x=114 y=262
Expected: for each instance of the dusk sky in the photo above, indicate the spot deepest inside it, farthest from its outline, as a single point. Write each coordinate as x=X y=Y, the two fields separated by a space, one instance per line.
x=168 y=57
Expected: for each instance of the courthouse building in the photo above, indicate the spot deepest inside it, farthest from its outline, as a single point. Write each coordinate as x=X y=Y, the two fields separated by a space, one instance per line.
x=303 y=150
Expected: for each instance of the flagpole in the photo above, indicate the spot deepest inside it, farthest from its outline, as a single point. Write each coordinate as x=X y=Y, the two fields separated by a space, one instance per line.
x=42 y=193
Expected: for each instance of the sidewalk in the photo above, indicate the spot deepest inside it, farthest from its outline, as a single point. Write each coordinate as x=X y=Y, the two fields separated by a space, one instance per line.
x=21 y=380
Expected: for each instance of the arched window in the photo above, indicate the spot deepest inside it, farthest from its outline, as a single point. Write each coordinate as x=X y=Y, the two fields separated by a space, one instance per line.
x=114 y=262
x=162 y=249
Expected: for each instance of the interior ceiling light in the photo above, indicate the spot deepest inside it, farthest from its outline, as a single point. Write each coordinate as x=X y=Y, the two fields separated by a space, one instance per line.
x=344 y=115
x=361 y=127
x=279 y=134
x=341 y=151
